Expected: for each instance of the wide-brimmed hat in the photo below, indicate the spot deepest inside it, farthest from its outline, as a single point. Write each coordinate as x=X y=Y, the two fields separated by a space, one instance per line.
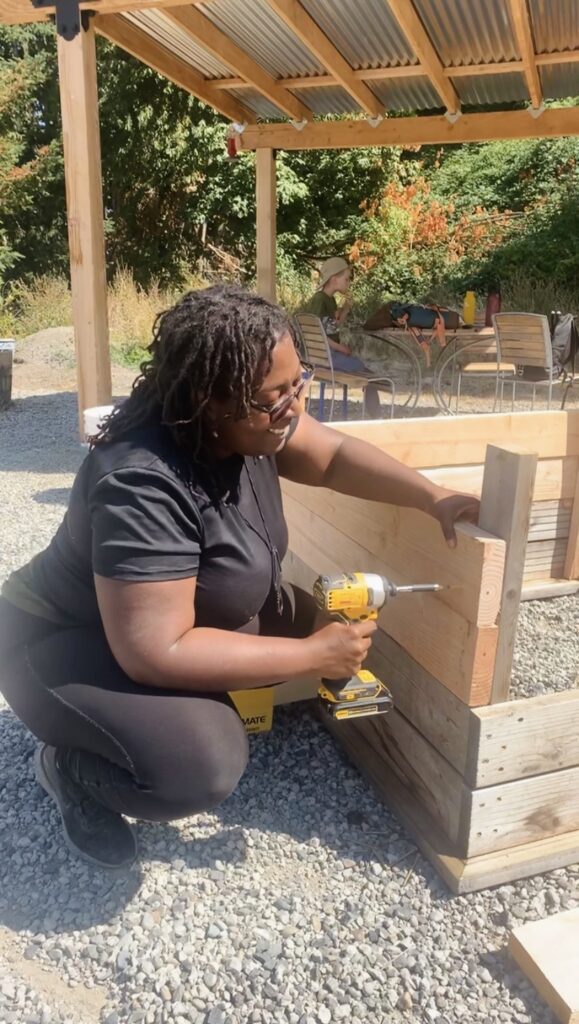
x=335 y=265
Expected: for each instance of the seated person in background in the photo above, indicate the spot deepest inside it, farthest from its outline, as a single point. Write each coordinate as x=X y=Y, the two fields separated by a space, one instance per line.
x=335 y=278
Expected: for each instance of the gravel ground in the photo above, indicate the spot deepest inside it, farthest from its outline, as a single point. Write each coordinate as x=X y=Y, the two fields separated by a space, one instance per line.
x=299 y=901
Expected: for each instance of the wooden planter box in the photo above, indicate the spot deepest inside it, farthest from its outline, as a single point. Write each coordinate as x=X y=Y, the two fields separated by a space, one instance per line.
x=489 y=787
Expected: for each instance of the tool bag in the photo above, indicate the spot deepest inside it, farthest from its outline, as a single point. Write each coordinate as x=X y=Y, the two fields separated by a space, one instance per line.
x=424 y=317
x=412 y=314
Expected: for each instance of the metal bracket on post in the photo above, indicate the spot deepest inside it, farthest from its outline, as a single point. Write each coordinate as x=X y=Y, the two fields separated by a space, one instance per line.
x=69 y=18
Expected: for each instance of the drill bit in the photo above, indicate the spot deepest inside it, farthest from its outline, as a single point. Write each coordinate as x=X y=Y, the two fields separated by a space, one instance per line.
x=413 y=588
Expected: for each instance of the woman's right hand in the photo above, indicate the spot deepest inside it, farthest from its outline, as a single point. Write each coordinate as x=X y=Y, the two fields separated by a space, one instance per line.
x=339 y=650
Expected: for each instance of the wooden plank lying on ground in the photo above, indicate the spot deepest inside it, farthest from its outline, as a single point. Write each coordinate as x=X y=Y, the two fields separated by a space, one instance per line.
x=548 y=953
x=524 y=810
x=535 y=590
x=462 y=440
x=505 y=510
x=461 y=875
x=413 y=545
x=522 y=738
x=459 y=654
x=556 y=479
x=442 y=718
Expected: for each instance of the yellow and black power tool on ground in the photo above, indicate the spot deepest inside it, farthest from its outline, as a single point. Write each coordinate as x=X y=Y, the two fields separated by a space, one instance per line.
x=355 y=597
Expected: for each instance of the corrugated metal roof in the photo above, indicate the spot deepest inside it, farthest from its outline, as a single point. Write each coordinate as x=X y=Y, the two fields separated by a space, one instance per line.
x=364 y=31
x=407 y=93
x=488 y=89
x=464 y=32
x=257 y=30
x=469 y=31
x=257 y=102
x=555 y=24
x=560 y=80
x=328 y=99
x=155 y=24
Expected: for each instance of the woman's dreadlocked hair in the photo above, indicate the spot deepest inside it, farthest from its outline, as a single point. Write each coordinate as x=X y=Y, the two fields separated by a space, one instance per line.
x=214 y=343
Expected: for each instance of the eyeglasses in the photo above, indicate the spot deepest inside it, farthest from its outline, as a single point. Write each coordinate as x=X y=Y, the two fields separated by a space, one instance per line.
x=276 y=410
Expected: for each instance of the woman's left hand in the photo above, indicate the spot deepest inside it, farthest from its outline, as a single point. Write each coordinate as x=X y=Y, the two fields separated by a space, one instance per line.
x=453 y=506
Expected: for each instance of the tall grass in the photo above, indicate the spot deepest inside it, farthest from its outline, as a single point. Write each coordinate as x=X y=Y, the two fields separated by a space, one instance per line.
x=46 y=302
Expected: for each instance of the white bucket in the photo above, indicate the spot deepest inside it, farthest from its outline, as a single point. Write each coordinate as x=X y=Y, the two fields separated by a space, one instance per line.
x=93 y=418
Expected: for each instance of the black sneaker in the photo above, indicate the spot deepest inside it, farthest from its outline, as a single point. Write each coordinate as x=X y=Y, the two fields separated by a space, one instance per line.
x=91 y=830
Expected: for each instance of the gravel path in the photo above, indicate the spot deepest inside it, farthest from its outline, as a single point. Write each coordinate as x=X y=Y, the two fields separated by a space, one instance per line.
x=299 y=901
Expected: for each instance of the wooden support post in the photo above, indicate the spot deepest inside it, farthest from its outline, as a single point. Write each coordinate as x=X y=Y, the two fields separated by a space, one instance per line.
x=571 y=571
x=82 y=164
x=507 y=495
x=266 y=222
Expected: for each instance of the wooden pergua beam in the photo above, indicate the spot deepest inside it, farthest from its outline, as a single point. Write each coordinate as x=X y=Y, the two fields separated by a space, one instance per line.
x=305 y=28
x=84 y=203
x=521 y=20
x=415 y=131
x=266 y=196
x=118 y=30
x=419 y=40
x=203 y=31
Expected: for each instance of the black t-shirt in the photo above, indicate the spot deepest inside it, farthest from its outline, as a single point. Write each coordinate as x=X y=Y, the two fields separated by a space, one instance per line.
x=139 y=510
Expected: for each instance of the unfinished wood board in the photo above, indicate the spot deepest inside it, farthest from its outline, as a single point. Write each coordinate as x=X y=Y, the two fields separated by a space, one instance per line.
x=85 y=217
x=413 y=545
x=459 y=654
x=442 y=718
x=548 y=953
x=571 y=567
x=535 y=590
x=460 y=875
x=556 y=479
x=550 y=520
x=545 y=559
x=522 y=811
x=463 y=440
x=505 y=510
x=522 y=738
x=389 y=740
x=266 y=192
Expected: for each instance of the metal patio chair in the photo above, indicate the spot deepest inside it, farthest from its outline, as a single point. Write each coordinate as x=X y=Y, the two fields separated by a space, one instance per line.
x=525 y=340
x=316 y=349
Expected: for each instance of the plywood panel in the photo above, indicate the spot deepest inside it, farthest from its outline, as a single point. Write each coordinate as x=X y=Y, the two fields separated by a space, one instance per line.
x=412 y=545
x=463 y=440
x=522 y=738
x=523 y=811
x=459 y=654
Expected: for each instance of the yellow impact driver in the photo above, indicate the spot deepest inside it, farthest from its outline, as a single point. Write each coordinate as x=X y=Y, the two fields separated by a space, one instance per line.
x=356 y=597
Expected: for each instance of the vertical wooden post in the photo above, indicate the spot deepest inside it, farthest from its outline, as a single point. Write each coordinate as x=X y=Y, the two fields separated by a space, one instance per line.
x=84 y=202
x=571 y=570
x=506 y=499
x=266 y=222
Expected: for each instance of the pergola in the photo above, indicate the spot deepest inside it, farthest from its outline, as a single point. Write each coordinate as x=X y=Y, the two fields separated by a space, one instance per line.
x=272 y=67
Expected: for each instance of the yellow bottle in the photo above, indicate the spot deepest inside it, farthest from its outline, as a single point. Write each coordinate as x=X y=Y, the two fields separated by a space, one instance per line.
x=469 y=308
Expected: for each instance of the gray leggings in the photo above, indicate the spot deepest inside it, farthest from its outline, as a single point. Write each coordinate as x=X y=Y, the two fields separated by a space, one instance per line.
x=153 y=753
